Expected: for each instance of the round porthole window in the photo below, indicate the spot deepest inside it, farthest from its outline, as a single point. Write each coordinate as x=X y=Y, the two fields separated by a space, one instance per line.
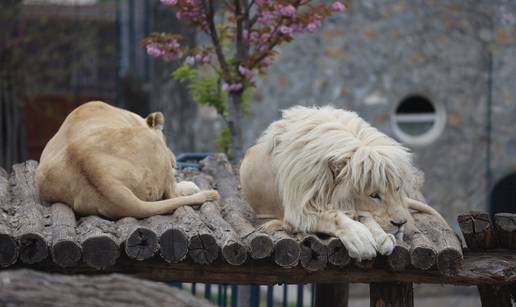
x=418 y=121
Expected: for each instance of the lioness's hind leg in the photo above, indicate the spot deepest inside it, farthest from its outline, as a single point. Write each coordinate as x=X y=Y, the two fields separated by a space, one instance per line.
x=185 y=188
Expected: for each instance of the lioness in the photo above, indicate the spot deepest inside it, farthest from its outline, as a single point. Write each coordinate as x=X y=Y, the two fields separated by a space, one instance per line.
x=327 y=170
x=112 y=162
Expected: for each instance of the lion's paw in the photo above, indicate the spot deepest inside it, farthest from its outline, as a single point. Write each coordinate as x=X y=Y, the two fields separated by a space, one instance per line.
x=358 y=241
x=210 y=195
x=185 y=188
x=385 y=244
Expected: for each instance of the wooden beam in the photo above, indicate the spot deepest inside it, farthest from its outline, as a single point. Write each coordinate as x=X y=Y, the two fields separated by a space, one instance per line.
x=478 y=232
x=506 y=229
x=482 y=268
x=394 y=294
x=331 y=295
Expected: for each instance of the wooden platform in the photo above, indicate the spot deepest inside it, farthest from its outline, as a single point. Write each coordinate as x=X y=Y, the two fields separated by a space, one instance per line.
x=219 y=243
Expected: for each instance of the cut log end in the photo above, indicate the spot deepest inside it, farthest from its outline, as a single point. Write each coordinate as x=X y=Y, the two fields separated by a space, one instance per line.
x=287 y=252
x=203 y=249
x=399 y=259
x=423 y=258
x=141 y=244
x=449 y=261
x=66 y=253
x=365 y=264
x=261 y=246
x=173 y=245
x=33 y=248
x=337 y=253
x=8 y=250
x=100 y=252
x=234 y=253
x=314 y=254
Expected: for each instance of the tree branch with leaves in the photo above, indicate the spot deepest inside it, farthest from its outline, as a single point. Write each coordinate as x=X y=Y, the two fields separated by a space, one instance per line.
x=243 y=39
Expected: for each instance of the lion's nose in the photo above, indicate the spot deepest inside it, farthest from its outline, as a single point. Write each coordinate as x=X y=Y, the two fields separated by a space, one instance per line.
x=398 y=224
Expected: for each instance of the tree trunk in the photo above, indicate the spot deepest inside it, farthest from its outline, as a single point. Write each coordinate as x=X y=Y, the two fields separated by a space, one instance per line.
x=235 y=127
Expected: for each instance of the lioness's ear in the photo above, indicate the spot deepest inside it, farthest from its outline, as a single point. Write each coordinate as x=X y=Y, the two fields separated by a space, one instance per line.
x=155 y=120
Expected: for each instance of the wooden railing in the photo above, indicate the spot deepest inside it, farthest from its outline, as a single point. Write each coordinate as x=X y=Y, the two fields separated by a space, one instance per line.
x=218 y=243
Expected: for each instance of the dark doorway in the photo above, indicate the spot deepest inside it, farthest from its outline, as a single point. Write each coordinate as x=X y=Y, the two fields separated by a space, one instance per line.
x=503 y=195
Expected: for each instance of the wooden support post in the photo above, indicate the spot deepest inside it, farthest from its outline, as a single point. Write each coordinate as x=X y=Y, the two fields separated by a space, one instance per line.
x=478 y=232
x=395 y=294
x=331 y=295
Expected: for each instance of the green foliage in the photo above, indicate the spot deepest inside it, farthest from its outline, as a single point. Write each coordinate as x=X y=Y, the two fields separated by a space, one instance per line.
x=223 y=142
x=204 y=88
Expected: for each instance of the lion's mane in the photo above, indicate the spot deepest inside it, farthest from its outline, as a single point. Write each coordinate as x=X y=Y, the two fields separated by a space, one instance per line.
x=324 y=156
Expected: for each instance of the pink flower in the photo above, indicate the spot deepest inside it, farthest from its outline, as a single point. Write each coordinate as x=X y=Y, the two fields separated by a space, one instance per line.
x=232 y=87
x=169 y=2
x=288 y=11
x=285 y=29
x=311 y=27
x=246 y=72
x=155 y=51
x=266 y=61
x=338 y=7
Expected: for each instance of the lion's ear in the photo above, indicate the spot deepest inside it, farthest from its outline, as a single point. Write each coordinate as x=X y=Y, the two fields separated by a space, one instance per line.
x=336 y=167
x=155 y=120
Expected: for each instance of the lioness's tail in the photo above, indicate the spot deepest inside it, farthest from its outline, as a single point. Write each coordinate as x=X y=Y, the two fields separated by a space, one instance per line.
x=422 y=207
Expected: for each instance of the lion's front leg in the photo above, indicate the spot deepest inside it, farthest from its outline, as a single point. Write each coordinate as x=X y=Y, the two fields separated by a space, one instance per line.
x=385 y=242
x=356 y=237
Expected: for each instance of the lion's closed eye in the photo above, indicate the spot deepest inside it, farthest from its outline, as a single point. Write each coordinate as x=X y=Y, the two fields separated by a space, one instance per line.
x=375 y=196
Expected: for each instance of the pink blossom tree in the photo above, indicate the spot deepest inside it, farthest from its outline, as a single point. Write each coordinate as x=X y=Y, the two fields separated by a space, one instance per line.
x=243 y=39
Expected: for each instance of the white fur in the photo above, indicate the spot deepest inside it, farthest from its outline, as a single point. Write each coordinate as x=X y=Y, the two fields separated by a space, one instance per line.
x=325 y=156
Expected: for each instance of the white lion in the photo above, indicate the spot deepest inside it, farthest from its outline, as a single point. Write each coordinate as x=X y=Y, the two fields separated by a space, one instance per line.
x=111 y=162
x=327 y=170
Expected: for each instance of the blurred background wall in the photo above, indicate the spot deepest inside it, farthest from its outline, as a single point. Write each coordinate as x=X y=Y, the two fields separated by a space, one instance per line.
x=437 y=75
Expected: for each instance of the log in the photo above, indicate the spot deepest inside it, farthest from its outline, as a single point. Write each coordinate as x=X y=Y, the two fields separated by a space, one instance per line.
x=30 y=217
x=8 y=246
x=448 y=246
x=173 y=242
x=477 y=230
x=331 y=295
x=506 y=229
x=314 y=254
x=233 y=250
x=202 y=246
x=139 y=242
x=100 y=241
x=337 y=253
x=422 y=252
x=65 y=248
x=400 y=257
x=287 y=250
x=400 y=294
x=31 y=288
x=259 y=244
x=234 y=210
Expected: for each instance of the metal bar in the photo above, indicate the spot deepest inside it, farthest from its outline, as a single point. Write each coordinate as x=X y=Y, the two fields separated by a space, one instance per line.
x=234 y=296
x=270 y=296
x=194 y=288
x=299 y=302
x=207 y=292
x=285 y=295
